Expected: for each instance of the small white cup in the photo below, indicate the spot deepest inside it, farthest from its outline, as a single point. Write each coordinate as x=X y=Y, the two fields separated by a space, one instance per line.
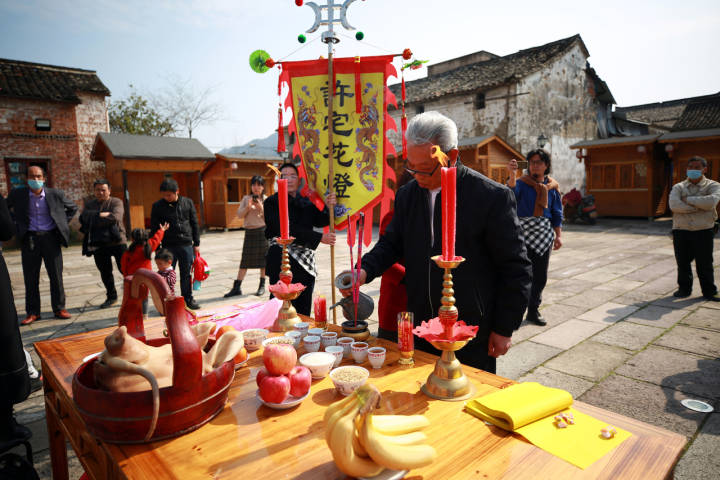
x=346 y=343
x=328 y=339
x=312 y=343
x=337 y=351
x=316 y=331
x=376 y=356
x=359 y=351
x=302 y=327
x=296 y=335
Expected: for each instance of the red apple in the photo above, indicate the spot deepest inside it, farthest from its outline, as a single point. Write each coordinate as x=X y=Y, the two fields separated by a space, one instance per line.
x=300 y=381
x=279 y=358
x=274 y=388
x=262 y=373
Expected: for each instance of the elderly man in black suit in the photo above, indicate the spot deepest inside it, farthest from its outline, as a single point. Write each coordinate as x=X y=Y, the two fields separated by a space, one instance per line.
x=41 y=216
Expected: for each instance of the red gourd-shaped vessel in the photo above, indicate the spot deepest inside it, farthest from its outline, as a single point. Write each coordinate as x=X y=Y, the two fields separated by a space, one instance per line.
x=193 y=398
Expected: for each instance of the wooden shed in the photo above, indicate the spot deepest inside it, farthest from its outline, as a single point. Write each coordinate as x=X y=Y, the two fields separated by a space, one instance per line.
x=681 y=146
x=227 y=181
x=628 y=176
x=136 y=165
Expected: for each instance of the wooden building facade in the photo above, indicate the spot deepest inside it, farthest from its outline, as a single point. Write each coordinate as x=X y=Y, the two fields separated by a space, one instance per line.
x=227 y=180
x=137 y=164
x=628 y=176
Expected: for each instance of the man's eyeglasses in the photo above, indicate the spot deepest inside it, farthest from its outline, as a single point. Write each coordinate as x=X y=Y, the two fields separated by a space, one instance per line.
x=421 y=172
x=285 y=177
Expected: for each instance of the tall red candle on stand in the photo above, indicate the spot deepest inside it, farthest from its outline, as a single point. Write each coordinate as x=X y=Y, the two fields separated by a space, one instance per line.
x=448 y=177
x=283 y=202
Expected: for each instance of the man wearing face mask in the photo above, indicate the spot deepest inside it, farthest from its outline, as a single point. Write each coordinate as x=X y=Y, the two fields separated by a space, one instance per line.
x=539 y=208
x=41 y=215
x=693 y=203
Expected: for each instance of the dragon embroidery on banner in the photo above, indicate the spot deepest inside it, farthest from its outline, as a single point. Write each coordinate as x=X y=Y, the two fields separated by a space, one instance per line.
x=367 y=137
x=309 y=137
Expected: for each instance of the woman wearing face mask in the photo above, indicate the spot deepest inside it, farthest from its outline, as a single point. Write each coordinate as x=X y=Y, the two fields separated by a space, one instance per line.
x=255 y=245
x=303 y=217
x=693 y=203
x=539 y=209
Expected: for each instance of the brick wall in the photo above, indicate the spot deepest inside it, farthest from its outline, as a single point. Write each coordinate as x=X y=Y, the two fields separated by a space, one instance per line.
x=66 y=146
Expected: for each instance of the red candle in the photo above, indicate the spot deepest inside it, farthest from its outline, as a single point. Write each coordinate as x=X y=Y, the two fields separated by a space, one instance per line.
x=448 y=177
x=283 y=202
x=320 y=310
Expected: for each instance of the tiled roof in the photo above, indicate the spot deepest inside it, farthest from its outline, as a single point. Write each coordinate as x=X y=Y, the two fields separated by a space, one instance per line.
x=702 y=113
x=47 y=82
x=484 y=75
x=638 y=139
x=688 y=134
x=124 y=145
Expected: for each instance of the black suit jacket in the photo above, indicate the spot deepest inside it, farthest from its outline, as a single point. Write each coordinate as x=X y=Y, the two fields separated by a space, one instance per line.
x=61 y=210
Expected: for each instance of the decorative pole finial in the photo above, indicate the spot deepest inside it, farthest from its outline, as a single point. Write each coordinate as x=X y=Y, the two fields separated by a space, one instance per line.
x=331 y=10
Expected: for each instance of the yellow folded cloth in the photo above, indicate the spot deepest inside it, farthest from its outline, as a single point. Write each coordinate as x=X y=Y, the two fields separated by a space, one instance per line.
x=529 y=408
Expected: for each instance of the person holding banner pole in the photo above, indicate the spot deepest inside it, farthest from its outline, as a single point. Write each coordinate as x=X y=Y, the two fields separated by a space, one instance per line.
x=303 y=217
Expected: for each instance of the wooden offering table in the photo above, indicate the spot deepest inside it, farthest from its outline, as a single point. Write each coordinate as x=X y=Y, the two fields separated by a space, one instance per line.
x=249 y=440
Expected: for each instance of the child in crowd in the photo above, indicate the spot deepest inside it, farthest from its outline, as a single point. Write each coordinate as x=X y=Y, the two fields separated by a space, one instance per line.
x=163 y=260
x=140 y=251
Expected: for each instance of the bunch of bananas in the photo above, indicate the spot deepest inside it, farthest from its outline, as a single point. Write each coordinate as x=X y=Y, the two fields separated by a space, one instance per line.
x=363 y=444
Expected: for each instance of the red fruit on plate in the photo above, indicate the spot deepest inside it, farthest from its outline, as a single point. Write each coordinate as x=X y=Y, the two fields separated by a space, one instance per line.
x=300 y=381
x=279 y=358
x=275 y=388
x=262 y=373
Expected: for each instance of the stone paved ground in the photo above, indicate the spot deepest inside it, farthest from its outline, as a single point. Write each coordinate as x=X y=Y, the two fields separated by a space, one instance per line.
x=615 y=338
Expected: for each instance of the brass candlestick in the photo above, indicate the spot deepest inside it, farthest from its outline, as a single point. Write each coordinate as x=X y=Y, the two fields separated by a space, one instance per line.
x=447 y=381
x=287 y=316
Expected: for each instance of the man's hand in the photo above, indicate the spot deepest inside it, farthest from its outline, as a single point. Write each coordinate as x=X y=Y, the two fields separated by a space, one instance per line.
x=512 y=169
x=558 y=243
x=346 y=292
x=196 y=250
x=104 y=214
x=331 y=200
x=164 y=226
x=328 y=238
x=498 y=345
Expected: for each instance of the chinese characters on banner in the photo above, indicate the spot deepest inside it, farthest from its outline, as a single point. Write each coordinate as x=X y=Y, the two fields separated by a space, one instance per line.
x=358 y=125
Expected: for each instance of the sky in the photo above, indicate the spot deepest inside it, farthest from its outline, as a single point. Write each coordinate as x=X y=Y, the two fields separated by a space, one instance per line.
x=646 y=51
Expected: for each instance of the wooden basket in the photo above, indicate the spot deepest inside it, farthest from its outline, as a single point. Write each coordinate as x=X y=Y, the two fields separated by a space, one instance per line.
x=191 y=401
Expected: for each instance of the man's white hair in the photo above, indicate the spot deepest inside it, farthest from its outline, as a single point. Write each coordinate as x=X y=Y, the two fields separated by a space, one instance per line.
x=432 y=127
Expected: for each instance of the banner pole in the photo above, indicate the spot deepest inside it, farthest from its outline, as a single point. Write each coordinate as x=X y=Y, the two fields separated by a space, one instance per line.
x=331 y=157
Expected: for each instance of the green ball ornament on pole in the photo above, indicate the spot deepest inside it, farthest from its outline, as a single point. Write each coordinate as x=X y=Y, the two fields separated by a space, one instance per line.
x=258 y=61
x=302 y=38
x=359 y=35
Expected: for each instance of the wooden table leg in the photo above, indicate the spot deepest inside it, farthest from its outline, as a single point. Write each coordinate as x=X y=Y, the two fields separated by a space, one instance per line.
x=56 y=439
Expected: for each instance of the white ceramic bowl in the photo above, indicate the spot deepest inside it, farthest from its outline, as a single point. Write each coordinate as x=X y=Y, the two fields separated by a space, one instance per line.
x=283 y=339
x=336 y=350
x=346 y=387
x=302 y=327
x=316 y=331
x=254 y=338
x=312 y=343
x=319 y=363
x=296 y=335
x=289 y=402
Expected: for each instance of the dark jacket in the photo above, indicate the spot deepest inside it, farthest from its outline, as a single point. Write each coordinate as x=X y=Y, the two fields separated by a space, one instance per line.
x=93 y=224
x=303 y=217
x=61 y=210
x=14 y=379
x=181 y=215
x=492 y=285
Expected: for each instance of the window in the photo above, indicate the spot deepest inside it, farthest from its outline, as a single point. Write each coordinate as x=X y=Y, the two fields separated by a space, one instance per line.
x=479 y=101
x=624 y=176
x=42 y=124
x=16 y=170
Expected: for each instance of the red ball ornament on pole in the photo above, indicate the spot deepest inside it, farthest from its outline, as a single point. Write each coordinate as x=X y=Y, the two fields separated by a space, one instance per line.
x=269 y=63
x=299 y=3
x=407 y=54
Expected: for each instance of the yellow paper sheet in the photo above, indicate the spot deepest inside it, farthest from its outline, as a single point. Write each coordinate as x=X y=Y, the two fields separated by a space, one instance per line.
x=580 y=444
